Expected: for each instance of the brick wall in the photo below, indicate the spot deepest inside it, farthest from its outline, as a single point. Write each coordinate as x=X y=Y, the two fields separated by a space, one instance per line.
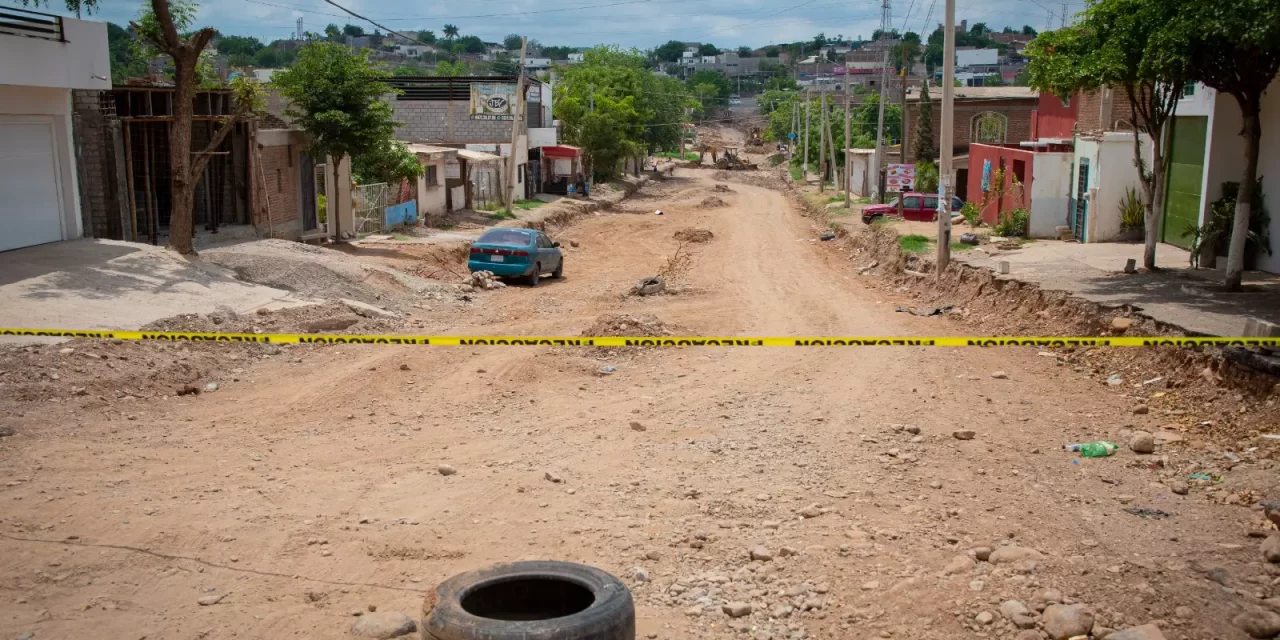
x=1016 y=110
x=1089 y=111
x=440 y=121
x=282 y=180
x=96 y=159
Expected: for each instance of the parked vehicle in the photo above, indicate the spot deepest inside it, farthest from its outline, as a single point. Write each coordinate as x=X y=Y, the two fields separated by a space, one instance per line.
x=512 y=253
x=922 y=207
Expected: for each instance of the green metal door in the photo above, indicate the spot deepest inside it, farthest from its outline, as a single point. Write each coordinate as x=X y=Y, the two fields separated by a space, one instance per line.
x=1186 y=173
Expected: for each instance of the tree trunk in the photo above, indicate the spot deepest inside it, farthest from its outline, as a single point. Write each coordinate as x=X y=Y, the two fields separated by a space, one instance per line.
x=1156 y=195
x=182 y=184
x=1244 y=201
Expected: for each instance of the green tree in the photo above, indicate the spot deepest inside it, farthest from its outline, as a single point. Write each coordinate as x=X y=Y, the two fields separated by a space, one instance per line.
x=745 y=52
x=427 y=37
x=389 y=162
x=718 y=94
x=406 y=70
x=513 y=41
x=353 y=30
x=781 y=83
x=634 y=110
x=1234 y=48
x=771 y=51
x=333 y=32
x=266 y=57
x=708 y=50
x=1124 y=44
x=923 y=147
x=1028 y=30
x=336 y=96
x=241 y=45
x=819 y=41
x=450 y=32
x=979 y=28
x=558 y=53
x=471 y=44
x=444 y=68
x=672 y=51
x=125 y=63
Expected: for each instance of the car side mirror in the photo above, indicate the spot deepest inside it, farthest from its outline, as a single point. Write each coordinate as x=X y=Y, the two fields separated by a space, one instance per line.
x=555 y=245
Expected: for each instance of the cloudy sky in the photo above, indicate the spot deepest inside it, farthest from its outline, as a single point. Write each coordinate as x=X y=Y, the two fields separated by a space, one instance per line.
x=640 y=23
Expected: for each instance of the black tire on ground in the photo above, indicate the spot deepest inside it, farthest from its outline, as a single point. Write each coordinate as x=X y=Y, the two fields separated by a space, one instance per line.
x=536 y=600
x=532 y=278
x=559 y=272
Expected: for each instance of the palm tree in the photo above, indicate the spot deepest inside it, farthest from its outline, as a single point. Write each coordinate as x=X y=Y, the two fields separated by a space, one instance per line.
x=450 y=31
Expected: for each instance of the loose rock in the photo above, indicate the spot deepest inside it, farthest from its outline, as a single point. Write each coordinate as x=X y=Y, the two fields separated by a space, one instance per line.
x=446 y=470
x=963 y=434
x=636 y=426
x=1063 y=621
x=1179 y=487
x=761 y=553
x=1271 y=548
x=1010 y=555
x=6 y=431
x=999 y=375
x=640 y=574
x=958 y=564
x=1142 y=442
x=383 y=625
x=736 y=609
x=1145 y=632
x=210 y=600
x=553 y=477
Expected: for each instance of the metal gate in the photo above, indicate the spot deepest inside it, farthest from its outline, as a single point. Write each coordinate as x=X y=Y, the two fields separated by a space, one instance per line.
x=1080 y=214
x=368 y=203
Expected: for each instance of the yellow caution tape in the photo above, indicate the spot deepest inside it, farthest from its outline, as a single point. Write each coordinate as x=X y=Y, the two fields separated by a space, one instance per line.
x=625 y=341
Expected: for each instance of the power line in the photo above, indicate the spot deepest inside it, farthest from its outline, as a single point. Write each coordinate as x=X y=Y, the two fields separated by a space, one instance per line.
x=389 y=30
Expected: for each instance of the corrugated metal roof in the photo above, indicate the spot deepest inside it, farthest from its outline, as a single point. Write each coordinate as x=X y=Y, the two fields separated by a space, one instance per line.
x=985 y=93
x=428 y=149
x=478 y=156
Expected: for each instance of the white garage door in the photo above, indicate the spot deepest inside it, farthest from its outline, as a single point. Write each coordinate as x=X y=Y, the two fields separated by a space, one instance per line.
x=30 y=212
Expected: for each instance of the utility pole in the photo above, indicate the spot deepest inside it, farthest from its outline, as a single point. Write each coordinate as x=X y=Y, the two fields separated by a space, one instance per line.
x=884 y=79
x=822 y=139
x=518 y=115
x=808 y=107
x=848 y=173
x=791 y=141
x=591 y=88
x=945 y=140
x=902 y=105
x=1064 y=15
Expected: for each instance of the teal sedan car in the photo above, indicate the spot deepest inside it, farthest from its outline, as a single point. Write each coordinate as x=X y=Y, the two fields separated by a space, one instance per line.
x=516 y=253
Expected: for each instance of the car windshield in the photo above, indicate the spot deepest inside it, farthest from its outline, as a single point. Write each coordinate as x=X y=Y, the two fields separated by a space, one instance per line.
x=505 y=236
x=892 y=203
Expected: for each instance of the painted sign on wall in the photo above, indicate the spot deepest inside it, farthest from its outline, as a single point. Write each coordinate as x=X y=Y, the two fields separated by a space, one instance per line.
x=900 y=178
x=493 y=101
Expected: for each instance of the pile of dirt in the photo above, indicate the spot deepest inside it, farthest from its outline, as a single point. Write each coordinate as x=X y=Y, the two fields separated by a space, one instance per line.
x=321 y=273
x=630 y=325
x=712 y=202
x=755 y=178
x=330 y=317
x=484 y=281
x=694 y=234
x=723 y=188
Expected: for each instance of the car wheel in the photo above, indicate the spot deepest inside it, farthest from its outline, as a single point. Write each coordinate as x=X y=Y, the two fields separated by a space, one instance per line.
x=537 y=273
x=527 y=600
x=559 y=272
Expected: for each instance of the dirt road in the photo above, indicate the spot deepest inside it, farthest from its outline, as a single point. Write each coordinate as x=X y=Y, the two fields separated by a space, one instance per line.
x=308 y=489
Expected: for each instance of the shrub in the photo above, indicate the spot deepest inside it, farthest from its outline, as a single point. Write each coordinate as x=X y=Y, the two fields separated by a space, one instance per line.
x=971 y=213
x=1013 y=224
x=1132 y=213
x=926 y=177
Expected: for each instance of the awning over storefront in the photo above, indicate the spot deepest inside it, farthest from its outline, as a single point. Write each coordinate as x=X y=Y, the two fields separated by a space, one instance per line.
x=562 y=151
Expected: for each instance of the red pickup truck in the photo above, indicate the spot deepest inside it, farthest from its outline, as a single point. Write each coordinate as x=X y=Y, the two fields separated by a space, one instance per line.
x=922 y=207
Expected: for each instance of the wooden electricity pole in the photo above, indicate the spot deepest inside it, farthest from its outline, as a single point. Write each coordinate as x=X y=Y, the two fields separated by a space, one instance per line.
x=822 y=139
x=848 y=167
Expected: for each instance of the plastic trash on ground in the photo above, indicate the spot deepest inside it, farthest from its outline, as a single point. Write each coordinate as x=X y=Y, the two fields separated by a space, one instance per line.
x=1098 y=449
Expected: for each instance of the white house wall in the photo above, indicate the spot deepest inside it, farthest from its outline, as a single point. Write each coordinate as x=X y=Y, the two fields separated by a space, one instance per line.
x=1111 y=173
x=82 y=62
x=1269 y=169
x=1224 y=151
x=55 y=106
x=1050 y=193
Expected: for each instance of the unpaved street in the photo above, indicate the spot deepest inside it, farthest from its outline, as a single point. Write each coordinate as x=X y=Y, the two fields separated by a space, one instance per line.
x=309 y=488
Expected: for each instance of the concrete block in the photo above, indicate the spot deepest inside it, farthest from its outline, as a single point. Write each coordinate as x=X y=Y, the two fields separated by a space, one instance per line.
x=1259 y=328
x=1130 y=266
x=1002 y=267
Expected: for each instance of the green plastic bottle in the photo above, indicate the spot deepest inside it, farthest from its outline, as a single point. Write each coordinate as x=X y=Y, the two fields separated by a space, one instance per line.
x=1099 y=449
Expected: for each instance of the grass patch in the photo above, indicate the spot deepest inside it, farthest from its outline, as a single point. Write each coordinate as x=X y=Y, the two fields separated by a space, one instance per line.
x=526 y=205
x=673 y=155
x=797 y=173
x=960 y=246
x=401 y=237
x=914 y=243
x=502 y=214
x=885 y=220
x=836 y=198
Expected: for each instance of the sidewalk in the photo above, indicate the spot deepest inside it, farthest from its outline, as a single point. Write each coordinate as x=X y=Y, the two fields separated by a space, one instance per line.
x=1190 y=298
